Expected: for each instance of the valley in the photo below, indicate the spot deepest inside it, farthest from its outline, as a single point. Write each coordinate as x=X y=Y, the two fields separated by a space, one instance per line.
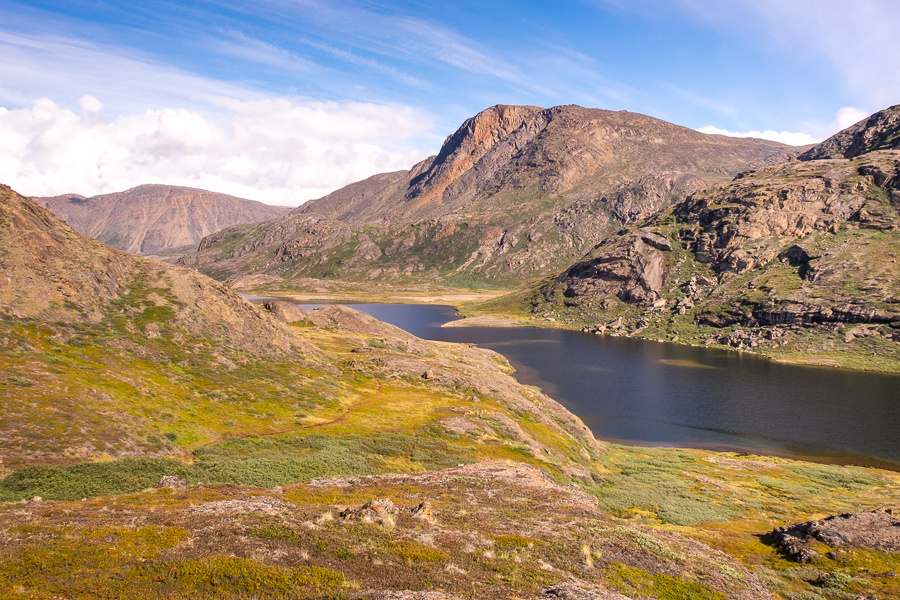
x=162 y=437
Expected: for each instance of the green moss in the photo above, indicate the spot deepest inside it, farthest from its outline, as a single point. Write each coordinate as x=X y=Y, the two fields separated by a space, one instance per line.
x=634 y=581
x=416 y=552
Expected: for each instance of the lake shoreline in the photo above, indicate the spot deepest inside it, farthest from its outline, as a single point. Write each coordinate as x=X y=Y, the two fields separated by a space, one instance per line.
x=746 y=438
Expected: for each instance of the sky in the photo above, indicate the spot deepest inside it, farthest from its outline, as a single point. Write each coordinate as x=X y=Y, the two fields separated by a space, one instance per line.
x=284 y=101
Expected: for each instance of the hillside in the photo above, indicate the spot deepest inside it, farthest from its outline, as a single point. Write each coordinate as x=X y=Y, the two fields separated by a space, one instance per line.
x=880 y=131
x=157 y=219
x=517 y=192
x=796 y=261
x=161 y=437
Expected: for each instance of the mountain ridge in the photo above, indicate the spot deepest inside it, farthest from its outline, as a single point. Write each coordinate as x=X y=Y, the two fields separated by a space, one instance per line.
x=514 y=193
x=153 y=218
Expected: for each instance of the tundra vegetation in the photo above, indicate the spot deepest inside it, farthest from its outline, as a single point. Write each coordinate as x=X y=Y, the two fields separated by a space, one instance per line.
x=163 y=438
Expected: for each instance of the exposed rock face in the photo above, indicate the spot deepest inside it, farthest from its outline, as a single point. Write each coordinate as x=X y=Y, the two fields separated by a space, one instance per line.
x=628 y=268
x=881 y=131
x=152 y=219
x=817 y=239
x=517 y=191
x=877 y=530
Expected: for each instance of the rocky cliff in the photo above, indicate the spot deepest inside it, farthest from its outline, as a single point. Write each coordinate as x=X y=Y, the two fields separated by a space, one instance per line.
x=881 y=131
x=516 y=192
x=156 y=219
x=809 y=244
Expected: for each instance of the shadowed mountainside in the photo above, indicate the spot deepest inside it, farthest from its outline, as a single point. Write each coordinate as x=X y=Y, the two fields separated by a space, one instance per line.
x=157 y=219
x=880 y=131
x=516 y=192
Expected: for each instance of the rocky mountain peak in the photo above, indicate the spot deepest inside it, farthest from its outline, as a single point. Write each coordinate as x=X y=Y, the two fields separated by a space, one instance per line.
x=880 y=131
x=464 y=148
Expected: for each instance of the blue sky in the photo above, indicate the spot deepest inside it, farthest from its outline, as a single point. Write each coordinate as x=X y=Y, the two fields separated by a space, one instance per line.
x=285 y=100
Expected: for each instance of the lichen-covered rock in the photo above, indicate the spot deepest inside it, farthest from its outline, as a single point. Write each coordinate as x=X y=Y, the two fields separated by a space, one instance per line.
x=877 y=530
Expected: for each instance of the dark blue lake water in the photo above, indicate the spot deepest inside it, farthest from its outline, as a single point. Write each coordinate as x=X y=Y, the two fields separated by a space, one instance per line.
x=649 y=393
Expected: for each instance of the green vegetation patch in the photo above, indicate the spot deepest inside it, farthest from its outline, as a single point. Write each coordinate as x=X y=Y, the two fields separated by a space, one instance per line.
x=238 y=577
x=650 y=481
x=634 y=581
x=264 y=462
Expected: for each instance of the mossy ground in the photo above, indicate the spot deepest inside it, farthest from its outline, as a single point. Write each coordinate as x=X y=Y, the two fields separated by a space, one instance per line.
x=486 y=537
x=101 y=411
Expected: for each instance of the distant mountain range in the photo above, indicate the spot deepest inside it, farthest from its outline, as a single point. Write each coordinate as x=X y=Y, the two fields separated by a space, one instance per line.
x=516 y=193
x=157 y=219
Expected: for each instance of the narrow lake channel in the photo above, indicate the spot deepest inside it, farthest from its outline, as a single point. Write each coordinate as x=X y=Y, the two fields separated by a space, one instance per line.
x=659 y=394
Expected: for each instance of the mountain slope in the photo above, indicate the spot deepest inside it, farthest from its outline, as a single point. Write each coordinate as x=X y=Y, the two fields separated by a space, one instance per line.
x=153 y=219
x=802 y=246
x=880 y=131
x=111 y=354
x=161 y=437
x=516 y=192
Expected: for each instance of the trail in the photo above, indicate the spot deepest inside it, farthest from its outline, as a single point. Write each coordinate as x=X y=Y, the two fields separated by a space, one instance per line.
x=342 y=417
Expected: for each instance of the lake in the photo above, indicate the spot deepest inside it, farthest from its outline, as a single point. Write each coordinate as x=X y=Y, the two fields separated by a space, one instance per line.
x=662 y=394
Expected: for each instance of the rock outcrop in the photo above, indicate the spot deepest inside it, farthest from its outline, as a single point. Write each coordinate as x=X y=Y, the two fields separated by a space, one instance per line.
x=157 y=219
x=811 y=243
x=880 y=131
x=876 y=530
x=516 y=192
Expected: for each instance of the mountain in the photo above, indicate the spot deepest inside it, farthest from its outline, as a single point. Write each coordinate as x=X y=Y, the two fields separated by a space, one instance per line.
x=794 y=260
x=516 y=192
x=880 y=131
x=54 y=274
x=156 y=219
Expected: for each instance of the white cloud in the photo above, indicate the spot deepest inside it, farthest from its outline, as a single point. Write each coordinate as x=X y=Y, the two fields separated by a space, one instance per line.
x=848 y=116
x=90 y=104
x=785 y=137
x=844 y=118
x=280 y=150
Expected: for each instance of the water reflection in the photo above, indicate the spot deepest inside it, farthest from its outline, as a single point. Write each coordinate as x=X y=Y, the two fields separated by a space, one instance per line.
x=645 y=392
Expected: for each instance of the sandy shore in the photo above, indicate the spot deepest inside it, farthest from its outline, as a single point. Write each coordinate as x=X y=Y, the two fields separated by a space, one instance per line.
x=485 y=321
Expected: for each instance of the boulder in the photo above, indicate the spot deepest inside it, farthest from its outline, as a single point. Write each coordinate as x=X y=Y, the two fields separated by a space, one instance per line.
x=287 y=312
x=171 y=481
x=876 y=530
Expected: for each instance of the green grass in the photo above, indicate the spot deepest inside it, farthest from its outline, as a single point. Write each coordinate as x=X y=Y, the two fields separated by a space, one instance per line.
x=264 y=462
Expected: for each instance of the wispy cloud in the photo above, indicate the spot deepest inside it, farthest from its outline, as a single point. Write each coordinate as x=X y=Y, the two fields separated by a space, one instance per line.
x=243 y=47
x=856 y=38
x=393 y=35
x=370 y=63
x=32 y=66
